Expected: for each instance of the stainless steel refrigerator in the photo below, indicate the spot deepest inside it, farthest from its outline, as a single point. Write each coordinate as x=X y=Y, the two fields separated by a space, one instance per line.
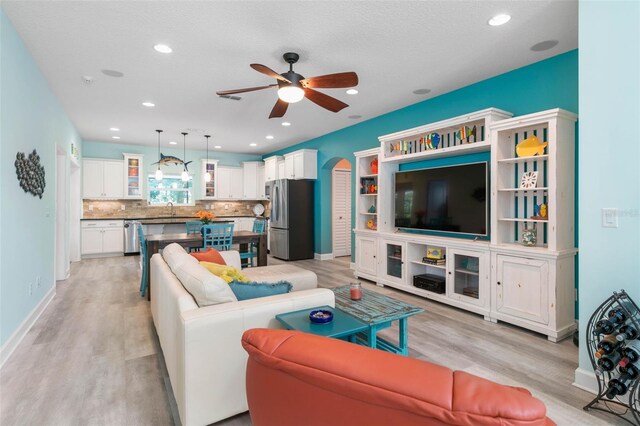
x=291 y=236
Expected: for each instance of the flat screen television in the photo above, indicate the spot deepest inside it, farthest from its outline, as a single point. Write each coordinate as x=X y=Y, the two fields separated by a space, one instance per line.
x=450 y=199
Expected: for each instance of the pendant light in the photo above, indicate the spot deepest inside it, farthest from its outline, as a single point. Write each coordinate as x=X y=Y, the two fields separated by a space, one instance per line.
x=185 y=174
x=159 y=172
x=207 y=175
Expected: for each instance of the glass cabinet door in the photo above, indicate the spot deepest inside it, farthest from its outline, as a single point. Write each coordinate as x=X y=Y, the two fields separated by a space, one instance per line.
x=464 y=276
x=133 y=179
x=394 y=261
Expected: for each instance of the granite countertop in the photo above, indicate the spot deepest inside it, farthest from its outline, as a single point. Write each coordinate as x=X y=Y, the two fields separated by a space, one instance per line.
x=168 y=219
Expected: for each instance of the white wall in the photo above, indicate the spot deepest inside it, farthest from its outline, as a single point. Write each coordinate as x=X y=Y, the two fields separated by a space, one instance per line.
x=609 y=157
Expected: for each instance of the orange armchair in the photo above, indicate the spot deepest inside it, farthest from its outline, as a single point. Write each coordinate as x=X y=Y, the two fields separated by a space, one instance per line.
x=298 y=379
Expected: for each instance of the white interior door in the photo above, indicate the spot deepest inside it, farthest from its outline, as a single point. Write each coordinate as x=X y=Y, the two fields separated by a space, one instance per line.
x=341 y=212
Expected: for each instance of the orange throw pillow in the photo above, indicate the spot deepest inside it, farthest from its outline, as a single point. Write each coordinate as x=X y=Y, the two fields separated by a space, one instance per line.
x=211 y=255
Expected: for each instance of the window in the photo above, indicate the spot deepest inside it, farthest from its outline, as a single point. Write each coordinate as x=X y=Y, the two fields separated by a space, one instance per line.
x=171 y=189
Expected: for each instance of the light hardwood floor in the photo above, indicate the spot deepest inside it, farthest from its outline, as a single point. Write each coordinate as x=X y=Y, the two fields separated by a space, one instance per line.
x=94 y=358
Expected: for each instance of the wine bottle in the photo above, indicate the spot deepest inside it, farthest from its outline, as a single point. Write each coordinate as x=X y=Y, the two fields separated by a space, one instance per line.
x=627 y=332
x=605 y=326
x=608 y=363
x=631 y=370
x=617 y=386
x=617 y=315
x=607 y=345
x=630 y=353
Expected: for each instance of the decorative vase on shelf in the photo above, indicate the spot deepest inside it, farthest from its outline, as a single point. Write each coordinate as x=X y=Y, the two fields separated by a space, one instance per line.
x=529 y=236
x=374 y=166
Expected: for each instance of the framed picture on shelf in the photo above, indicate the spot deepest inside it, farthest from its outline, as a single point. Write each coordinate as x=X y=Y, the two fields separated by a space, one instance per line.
x=529 y=180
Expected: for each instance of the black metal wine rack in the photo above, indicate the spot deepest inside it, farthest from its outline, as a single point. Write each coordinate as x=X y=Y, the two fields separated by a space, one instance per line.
x=627 y=406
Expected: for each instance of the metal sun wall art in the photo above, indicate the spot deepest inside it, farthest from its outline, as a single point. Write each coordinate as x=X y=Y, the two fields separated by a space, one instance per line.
x=30 y=173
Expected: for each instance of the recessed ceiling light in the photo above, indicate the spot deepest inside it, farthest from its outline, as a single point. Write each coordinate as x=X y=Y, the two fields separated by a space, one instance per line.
x=114 y=129
x=162 y=48
x=115 y=137
x=173 y=143
x=544 y=45
x=421 y=91
x=217 y=146
x=112 y=73
x=148 y=104
x=269 y=137
x=286 y=123
x=352 y=92
x=253 y=144
x=355 y=117
x=499 y=20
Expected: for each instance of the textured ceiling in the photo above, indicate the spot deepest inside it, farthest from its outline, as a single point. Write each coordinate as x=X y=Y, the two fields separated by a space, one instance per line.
x=395 y=47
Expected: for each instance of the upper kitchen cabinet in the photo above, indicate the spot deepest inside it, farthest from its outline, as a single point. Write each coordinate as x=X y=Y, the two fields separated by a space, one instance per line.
x=133 y=179
x=102 y=178
x=271 y=168
x=209 y=188
x=253 y=178
x=229 y=185
x=301 y=164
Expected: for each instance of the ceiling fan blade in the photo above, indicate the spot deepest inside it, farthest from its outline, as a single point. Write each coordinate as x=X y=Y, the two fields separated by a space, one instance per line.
x=342 y=79
x=248 y=89
x=268 y=71
x=325 y=101
x=279 y=109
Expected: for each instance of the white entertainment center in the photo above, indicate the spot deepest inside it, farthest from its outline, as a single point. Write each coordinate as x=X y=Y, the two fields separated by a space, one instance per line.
x=500 y=278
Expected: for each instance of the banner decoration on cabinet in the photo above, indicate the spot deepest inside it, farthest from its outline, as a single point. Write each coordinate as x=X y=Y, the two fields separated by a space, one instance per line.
x=30 y=173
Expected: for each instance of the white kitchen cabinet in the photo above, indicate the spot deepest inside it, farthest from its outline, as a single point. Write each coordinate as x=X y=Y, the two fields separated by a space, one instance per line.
x=102 y=178
x=243 y=223
x=250 y=180
x=102 y=237
x=133 y=176
x=301 y=164
x=260 y=183
x=230 y=186
x=271 y=168
x=281 y=171
x=209 y=188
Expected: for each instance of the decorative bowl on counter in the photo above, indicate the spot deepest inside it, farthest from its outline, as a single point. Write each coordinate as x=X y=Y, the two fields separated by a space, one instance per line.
x=320 y=316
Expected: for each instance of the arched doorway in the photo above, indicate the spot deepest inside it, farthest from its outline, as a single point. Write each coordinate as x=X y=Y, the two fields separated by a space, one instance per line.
x=341 y=208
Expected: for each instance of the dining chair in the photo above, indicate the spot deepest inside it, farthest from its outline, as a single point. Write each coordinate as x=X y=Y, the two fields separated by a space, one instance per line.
x=218 y=236
x=143 y=259
x=258 y=228
x=194 y=227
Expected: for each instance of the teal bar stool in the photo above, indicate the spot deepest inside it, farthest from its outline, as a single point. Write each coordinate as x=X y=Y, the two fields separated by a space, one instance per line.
x=194 y=227
x=143 y=259
x=258 y=228
x=217 y=236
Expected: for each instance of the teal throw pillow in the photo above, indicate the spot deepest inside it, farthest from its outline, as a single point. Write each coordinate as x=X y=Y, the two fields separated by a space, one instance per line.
x=252 y=290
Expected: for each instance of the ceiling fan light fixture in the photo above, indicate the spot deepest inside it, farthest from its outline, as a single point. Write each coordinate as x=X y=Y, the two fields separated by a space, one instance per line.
x=291 y=94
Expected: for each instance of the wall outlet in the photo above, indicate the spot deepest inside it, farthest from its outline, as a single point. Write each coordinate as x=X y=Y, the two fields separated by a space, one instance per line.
x=123 y=207
x=248 y=206
x=38 y=281
x=226 y=206
x=609 y=218
x=90 y=207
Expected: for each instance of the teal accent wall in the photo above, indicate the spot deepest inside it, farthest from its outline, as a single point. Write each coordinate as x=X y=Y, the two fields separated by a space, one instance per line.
x=609 y=177
x=93 y=149
x=552 y=83
x=32 y=118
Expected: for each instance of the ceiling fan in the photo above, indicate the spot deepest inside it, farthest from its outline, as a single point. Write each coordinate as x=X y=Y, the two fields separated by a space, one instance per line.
x=292 y=87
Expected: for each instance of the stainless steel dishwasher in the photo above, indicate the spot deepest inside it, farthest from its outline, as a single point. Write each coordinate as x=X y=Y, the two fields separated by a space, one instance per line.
x=131 y=242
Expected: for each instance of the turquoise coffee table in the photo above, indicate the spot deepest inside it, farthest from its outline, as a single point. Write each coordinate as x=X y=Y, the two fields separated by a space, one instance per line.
x=342 y=326
x=378 y=312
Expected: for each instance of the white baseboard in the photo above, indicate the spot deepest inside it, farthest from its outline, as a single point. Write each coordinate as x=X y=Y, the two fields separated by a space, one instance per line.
x=586 y=380
x=323 y=256
x=15 y=339
x=352 y=266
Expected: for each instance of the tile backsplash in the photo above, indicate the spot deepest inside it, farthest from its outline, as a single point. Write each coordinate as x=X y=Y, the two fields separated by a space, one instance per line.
x=134 y=209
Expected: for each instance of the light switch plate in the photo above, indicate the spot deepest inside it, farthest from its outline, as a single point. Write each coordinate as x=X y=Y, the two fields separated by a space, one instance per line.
x=609 y=218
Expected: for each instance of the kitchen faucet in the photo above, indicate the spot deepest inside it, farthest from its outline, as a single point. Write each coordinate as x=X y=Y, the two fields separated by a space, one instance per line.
x=170 y=204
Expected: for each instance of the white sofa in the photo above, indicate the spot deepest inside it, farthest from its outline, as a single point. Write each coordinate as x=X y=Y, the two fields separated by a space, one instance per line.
x=202 y=346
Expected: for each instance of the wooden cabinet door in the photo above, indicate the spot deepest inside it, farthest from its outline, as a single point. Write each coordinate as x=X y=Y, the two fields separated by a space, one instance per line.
x=113 y=179
x=92 y=172
x=298 y=165
x=223 y=186
x=91 y=241
x=249 y=181
x=366 y=260
x=270 y=169
x=393 y=261
x=467 y=277
x=260 y=183
x=289 y=168
x=112 y=240
x=236 y=183
x=522 y=288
